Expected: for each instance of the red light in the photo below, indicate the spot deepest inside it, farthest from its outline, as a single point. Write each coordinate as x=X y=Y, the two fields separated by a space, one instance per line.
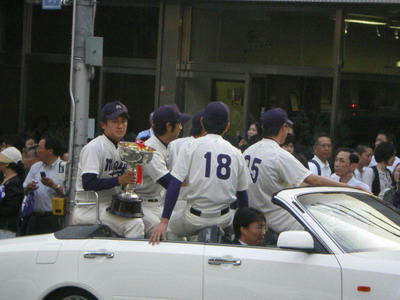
x=363 y=288
x=354 y=105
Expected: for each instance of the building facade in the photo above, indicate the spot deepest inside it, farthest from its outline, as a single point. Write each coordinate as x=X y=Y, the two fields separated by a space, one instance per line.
x=334 y=65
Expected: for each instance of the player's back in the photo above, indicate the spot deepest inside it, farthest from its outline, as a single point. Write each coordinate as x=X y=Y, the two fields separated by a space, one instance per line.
x=215 y=171
x=173 y=150
x=271 y=169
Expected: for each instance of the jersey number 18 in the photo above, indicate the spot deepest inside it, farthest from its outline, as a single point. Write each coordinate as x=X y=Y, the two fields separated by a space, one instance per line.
x=223 y=168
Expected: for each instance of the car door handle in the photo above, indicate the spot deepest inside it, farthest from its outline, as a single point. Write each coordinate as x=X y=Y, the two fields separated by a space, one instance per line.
x=98 y=254
x=224 y=261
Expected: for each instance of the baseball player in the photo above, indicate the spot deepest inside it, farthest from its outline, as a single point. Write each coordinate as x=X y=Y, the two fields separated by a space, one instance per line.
x=173 y=153
x=167 y=124
x=216 y=173
x=273 y=169
x=195 y=132
x=102 y=170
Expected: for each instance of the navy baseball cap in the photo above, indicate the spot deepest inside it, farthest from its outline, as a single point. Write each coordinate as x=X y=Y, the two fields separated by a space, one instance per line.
x=196 y=119
x=113 y=110
x=170 y=113
x=217 y=112
x=275 y=117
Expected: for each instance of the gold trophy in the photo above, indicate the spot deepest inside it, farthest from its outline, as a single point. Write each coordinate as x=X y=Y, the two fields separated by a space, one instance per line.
x=128 y=204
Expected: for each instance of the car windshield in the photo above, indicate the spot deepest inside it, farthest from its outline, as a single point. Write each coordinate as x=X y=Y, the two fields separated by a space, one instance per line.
x=357 y=222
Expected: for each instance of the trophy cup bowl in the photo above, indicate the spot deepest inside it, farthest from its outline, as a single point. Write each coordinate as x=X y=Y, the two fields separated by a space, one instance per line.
x=128 y=204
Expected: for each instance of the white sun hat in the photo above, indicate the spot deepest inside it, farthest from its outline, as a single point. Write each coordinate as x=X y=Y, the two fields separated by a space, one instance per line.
x=10 y=155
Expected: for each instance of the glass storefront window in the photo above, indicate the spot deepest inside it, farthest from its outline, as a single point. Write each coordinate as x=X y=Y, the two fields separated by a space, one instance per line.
x=369 y=103
x=262 y=35
x=371 y=49
x=232 y=94
x=136 y=92
x=51 y=30
x=128 y=31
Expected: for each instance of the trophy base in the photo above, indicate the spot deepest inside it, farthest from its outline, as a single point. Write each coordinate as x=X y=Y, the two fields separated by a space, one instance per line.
x=127 y=205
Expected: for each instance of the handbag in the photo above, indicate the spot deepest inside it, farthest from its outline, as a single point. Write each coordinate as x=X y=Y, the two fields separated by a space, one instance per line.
x=27 y=205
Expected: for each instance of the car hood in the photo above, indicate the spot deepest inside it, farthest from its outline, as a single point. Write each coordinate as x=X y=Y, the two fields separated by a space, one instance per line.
x=387 y=262
x=26 y=242
x=386 y=255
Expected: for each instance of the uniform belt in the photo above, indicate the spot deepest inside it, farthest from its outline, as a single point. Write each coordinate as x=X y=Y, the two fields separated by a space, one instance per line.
x=42 y=213
x=151 y=200
x=199 y=213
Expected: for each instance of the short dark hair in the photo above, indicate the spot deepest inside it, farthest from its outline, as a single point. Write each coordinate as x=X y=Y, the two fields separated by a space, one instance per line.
x=271 y=131
x=389 y=136
x=195 y=131
x=214 y=127
x=18 y=168
x=353 y=156
x=14 y=140
x=244 y=217
x=160 y=128
x=384 y=151
x=53 y=143
x=318 y=136
x=360 y=149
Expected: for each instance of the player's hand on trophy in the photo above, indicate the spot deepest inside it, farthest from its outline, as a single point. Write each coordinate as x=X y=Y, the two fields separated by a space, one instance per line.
x=158 y=232
x=127 y=178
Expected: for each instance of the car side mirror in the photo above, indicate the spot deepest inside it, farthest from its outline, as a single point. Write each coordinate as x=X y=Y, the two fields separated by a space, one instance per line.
x=296 y=240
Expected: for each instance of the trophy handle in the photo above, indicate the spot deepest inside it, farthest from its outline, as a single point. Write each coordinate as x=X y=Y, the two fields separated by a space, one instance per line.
x=139 y=174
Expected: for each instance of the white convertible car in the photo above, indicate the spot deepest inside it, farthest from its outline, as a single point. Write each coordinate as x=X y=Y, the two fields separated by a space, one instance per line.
x=350 y=249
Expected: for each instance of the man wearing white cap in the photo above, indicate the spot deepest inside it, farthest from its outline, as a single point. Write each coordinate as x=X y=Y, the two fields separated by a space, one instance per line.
x=11 y=190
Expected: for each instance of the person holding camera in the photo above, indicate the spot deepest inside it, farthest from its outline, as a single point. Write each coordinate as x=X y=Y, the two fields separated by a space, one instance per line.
x=45 y=180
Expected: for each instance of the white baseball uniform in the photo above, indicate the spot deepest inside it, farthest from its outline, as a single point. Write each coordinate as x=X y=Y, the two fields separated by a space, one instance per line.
x=150 y=191
x=273 y=169
x=101 y=157
x=215 y=171
x=173 y=156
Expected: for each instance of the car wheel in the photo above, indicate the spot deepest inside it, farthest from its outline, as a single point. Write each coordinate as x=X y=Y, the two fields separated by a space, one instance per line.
x=71 y=294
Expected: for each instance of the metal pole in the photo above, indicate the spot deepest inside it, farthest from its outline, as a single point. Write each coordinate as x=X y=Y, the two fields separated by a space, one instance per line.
x=82 y=28
x=337 y=66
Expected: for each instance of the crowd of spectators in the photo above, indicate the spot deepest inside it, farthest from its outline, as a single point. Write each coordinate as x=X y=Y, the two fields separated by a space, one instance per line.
x=32 y=172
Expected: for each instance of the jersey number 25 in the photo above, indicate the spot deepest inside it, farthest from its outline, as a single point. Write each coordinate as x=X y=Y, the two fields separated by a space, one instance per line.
x=253 y=167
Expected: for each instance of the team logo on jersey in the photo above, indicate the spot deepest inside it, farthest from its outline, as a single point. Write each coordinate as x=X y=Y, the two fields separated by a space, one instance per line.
x=115 y=167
